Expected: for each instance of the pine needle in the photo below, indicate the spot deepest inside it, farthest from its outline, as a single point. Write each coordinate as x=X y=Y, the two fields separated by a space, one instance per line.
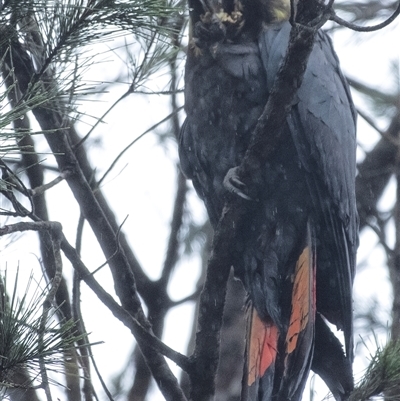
x=20 y=330
x=382 y=375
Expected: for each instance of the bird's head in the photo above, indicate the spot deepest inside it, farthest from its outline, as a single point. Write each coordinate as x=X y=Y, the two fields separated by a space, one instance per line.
x=239 y=17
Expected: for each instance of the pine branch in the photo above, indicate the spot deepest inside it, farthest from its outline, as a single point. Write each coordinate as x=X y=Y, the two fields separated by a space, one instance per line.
x=382 y=375
x=30 y=340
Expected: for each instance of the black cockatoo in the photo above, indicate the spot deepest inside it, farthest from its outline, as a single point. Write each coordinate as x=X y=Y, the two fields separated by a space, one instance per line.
x=296 y=252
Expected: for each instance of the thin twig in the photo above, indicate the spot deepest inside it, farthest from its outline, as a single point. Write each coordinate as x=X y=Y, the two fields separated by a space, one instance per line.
x=116 y=250
x=43 y=188
x=334 y=17
x=99 y=376
x=152 y=128
x=177 y=216
x=129 y=91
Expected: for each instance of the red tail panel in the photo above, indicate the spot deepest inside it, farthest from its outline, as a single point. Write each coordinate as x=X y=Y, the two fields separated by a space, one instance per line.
x=303 y=299
x=299 y=344
x=277 y=368
x=262 y=347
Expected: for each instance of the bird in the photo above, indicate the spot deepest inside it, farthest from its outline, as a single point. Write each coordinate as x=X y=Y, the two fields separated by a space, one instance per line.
x=296 y=251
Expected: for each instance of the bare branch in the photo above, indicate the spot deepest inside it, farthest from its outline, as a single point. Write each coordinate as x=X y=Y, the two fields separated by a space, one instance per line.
x=358 y=28
x=43 y=188
x=150 y=345
x=152 y=128
x=374 y=173
x=141 y=333
x=173 y=243
x=30 y=226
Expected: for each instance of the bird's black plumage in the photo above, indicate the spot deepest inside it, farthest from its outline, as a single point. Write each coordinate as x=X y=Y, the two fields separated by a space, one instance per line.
x=305 y=191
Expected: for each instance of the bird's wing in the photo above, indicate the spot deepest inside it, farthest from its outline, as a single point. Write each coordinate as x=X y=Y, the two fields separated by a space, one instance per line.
x=323 y=124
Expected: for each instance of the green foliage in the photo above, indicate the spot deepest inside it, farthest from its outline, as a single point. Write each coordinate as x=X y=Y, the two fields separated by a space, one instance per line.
x=382 y=375
x=59 y=36
x=57 y=31
x=23 y=344
x=53 y=43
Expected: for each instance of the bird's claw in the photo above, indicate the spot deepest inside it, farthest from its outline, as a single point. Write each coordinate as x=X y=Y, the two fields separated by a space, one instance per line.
x=233 y=184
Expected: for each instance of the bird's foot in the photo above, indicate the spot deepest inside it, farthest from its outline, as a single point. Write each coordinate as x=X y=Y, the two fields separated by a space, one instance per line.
x=234 y=185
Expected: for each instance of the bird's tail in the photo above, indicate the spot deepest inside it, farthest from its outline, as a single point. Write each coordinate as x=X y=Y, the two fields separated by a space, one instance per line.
x=261 y=354
x=278 y=360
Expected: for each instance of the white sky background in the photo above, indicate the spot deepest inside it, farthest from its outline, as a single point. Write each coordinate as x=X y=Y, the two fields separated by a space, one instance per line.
x=142 y=187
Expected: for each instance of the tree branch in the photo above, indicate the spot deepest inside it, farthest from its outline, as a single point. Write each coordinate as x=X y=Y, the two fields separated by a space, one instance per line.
x=150 y=345
x=372 y=28
x=141 y=332
x=374 y=173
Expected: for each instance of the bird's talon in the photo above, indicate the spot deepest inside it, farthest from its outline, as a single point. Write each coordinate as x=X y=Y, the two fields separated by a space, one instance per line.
x=233 y=184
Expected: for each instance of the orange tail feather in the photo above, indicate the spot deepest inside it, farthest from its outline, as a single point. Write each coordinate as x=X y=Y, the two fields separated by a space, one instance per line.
x=262 y=347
